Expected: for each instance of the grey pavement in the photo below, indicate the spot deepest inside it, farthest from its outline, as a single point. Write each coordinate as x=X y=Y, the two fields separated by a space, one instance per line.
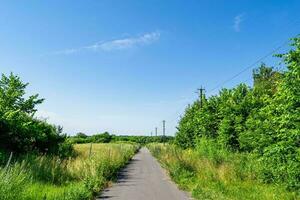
x=143 y=179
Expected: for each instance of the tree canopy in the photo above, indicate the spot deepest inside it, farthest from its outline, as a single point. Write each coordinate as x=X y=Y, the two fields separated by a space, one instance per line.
x=263 y=119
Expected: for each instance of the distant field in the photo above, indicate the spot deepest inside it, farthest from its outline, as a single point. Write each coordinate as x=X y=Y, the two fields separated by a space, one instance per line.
x=52 y=178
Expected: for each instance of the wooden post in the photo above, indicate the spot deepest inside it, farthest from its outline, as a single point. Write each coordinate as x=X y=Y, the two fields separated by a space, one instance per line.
x=91 y=146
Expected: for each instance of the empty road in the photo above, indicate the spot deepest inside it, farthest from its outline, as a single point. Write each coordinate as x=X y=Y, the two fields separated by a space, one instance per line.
x=143 y=179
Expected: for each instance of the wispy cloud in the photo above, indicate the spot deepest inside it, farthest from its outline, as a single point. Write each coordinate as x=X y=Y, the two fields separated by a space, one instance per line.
x=237 y=22
x=66 y=51
x=116 y=44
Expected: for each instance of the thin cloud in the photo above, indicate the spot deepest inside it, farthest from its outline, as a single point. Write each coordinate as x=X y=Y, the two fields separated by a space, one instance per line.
x=67 y=51
x=237 y=22
x=117 y=44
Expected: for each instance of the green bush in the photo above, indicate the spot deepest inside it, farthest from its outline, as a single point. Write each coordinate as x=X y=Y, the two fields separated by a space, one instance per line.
x=20 y=131
x=212 y=150
x=262 y=121
x=107 y=138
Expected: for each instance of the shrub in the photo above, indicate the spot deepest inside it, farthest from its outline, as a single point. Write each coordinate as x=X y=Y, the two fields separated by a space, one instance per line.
x=20 y=131
x=262 y=121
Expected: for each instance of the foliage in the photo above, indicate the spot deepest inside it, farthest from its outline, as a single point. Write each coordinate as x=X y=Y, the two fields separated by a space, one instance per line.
x=81 y=135
x=261 y=120
x=20 y=131
x=107 y=138
x=282 y=118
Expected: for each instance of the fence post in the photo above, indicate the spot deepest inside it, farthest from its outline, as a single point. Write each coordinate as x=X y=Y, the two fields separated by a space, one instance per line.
x=90 y=150
x=109 y=152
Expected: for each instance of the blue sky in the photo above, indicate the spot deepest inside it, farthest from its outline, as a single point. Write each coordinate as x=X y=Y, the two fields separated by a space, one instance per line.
x=124 y=66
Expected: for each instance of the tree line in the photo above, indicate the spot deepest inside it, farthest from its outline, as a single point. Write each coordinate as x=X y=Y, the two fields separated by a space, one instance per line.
x=262 y=120
x=107 y=138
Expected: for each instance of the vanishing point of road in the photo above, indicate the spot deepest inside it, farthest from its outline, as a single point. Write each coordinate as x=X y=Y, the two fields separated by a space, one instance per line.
x=143 y=179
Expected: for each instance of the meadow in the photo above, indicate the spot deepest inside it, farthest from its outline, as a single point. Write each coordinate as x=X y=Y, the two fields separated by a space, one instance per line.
x=79 y=177
x=210 y=173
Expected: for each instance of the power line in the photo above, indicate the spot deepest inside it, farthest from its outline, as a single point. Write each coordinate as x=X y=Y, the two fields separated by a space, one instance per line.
x=201 y=90
x=259 y=60
x=251 y=66
x=242 y=71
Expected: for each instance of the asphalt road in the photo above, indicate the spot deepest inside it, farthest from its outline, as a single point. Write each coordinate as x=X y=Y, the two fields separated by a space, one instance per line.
x=143 y=179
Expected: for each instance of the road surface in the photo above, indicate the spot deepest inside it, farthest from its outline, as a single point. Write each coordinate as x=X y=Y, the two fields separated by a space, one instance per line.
x=143 y=179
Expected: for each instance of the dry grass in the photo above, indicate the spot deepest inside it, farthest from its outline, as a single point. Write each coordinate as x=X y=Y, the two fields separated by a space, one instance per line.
x=73 y=178
x=210 y=177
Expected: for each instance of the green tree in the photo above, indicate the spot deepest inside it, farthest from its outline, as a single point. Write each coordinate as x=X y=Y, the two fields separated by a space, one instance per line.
x=81 y=135
x=187 y=127
x=281 y=156
x=266 y=81
x=263 y=120
x=234 y=110
x=12 y=91
x=19 y=130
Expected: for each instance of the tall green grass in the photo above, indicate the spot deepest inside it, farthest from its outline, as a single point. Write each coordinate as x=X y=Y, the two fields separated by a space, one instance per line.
x=209 y=172
x=52 y=178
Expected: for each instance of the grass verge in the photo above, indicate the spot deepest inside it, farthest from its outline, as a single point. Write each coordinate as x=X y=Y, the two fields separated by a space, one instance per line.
x=211 y=174
x=78 y=178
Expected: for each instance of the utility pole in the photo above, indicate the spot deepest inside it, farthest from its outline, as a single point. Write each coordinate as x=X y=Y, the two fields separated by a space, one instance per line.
x=155 y=131
x=200 y=91
x=164 y=130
